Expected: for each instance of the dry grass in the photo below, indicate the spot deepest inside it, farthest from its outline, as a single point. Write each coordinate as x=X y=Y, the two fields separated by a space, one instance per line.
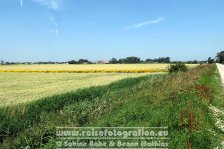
x=22 y=87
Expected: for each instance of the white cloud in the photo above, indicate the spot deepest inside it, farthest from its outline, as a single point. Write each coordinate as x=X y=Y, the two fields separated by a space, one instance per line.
x=145 y=23
x=55 y=23
x=53 y=4
x=21 y=3
x=55 y=31
x=53 y=20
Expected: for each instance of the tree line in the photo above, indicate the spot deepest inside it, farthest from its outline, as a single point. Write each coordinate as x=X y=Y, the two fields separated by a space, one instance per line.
x=219 y=58
x=80 y=61
x=135 y=60
x=127 y=60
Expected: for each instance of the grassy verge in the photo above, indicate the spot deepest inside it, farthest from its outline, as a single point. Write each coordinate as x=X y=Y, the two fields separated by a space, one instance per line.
x=180 y=101
x=216 y=108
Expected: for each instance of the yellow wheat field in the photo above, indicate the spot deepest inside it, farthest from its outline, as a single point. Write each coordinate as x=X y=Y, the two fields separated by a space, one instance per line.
x=87 y=68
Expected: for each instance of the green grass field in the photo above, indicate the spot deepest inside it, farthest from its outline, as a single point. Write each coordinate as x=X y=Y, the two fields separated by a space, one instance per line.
x=23 y=87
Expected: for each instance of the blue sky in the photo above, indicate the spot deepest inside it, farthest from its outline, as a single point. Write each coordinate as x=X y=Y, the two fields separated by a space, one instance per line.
x=61 y=30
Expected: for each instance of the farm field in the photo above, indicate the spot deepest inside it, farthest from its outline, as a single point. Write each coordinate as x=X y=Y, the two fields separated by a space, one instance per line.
x=180 y=101
x=22 y=87
x=88 y=68
x=19 y=87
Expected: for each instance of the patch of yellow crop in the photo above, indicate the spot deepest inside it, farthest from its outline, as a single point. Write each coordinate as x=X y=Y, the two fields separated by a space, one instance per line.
x=90 y=71
x=87 y=68
x=83 y=66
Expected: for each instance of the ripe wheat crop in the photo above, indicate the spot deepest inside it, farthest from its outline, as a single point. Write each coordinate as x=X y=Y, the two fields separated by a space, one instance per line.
x=88 y=68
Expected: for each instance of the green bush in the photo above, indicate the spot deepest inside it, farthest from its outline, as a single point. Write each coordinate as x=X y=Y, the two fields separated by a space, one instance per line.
x=177 y=67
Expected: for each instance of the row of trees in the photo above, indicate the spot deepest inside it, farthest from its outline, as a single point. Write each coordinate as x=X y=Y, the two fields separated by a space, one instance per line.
x=218 y=59
x=130 y=60
x=134 y=60
x=80 y=61
x=127 y=60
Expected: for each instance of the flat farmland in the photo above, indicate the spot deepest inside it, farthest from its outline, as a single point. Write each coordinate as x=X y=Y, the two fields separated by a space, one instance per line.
x=23 y=83
x=23 y=87
x=87 y=68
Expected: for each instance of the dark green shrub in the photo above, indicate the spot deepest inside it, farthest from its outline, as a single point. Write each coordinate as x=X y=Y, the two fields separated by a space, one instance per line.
x=177 y=67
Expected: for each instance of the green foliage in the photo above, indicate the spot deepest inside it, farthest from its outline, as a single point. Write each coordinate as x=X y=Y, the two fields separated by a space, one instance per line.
x=132 y=60
x=113 y=61
x=210 y=60
x=159 y=60
x=80 y=61
x=177 y=68
x=220 y=57
x=135 y=60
